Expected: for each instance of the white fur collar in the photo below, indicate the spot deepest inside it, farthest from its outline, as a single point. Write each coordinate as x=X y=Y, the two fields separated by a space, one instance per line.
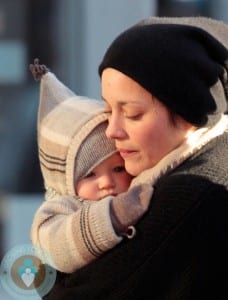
x=192 y=144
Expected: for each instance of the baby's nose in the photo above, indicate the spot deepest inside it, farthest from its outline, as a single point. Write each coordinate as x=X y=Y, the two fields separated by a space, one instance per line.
x=106 y=182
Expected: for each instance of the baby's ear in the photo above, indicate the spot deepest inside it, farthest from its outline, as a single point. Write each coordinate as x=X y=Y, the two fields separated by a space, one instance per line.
x=38 y=70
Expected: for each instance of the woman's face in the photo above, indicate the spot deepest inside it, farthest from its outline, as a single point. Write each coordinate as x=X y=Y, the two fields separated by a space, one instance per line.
x=140 y=124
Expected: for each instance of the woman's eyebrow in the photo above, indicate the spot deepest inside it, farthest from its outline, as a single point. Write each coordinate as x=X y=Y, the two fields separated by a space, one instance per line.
x=121 y=103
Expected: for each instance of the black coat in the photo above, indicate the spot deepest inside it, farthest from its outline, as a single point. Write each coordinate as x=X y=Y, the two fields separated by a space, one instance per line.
x=181 y=247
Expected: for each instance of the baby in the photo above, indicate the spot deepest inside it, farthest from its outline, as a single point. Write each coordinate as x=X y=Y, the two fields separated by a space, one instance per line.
x=79 y=165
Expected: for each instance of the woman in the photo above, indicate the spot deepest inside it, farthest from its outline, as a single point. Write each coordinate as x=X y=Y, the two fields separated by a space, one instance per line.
x=164 y=83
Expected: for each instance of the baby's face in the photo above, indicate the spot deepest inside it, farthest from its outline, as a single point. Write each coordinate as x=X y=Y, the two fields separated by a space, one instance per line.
x=108 y=178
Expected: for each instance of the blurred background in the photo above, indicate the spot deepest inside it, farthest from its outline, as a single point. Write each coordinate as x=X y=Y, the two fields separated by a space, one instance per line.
x=70 y=37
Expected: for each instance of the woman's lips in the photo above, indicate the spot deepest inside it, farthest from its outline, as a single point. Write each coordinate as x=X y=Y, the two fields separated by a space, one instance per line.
x=126 y=153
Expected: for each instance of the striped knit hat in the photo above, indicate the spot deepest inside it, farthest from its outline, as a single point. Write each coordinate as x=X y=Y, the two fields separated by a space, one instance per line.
x=71 y=135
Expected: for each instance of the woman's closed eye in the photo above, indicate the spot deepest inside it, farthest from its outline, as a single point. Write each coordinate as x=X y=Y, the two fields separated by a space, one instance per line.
x=134 y=117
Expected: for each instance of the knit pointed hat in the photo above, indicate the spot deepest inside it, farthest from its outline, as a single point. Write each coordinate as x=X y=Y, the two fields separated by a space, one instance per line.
x=71 y=135
x=182 y=61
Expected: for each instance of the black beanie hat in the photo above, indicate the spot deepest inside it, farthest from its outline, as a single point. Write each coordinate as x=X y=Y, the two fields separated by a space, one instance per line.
x=183 y=66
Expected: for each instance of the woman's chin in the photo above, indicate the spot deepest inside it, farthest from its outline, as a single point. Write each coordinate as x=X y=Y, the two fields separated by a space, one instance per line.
x=133 y=168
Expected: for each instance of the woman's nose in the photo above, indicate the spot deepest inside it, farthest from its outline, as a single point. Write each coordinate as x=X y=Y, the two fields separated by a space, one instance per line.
x=109 y=131
x=114 y=129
